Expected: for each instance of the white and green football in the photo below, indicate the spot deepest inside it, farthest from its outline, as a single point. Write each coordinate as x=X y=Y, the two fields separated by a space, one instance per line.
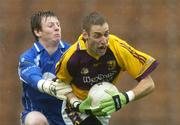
x=97 y=92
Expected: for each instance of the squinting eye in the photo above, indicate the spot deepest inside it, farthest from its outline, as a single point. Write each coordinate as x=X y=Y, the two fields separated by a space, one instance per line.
x=50 y=26
x=97 y=35
x=106 y=34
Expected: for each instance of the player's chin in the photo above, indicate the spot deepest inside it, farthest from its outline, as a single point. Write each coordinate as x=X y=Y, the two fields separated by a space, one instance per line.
x=57 y=40
x=101 y=52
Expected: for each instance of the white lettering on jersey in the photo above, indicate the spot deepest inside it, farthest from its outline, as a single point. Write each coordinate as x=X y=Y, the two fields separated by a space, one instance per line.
x=99 y=77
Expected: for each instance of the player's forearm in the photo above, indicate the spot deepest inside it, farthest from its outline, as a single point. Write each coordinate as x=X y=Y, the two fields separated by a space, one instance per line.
x=144 y=87
x=29 y=73
x=31 y=79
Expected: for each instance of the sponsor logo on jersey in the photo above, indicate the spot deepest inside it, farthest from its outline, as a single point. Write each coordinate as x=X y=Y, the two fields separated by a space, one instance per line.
x=84 y=71
x=111 y=64
x=99 y=78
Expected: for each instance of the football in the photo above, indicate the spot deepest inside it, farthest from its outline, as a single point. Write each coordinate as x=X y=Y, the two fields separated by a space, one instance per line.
x=97 y=92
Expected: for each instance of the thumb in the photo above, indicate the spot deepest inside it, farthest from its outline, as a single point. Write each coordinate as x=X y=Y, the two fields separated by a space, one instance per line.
x=111 y=93
x=88 y=99
x=86 y=102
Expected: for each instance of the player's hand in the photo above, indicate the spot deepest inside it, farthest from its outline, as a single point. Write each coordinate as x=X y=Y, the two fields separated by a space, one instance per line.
x=57 y=89
x=85 y=107
x=114 y=103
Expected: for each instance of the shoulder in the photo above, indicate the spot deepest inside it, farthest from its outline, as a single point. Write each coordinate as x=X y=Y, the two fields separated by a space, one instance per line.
x=116 y=42
x=29 y=53
x=115 y=39
x=69 y=52
x=67 y=56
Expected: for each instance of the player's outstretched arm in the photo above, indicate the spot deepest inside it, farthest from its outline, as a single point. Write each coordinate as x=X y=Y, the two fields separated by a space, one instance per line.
x=144 y=87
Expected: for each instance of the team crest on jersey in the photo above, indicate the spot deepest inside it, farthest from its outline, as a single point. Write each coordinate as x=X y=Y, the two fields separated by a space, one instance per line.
x=84 y=71
x=111 y=64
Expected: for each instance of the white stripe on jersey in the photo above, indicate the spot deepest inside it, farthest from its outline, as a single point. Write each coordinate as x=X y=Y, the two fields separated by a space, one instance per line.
x=65 y=117
x=36 y=47
x=61 y=44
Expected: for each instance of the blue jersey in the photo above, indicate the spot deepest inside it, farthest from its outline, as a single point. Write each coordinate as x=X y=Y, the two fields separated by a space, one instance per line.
x=36 y=64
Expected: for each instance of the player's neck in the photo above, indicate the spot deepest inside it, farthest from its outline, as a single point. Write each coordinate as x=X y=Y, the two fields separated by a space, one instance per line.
x=50 y=46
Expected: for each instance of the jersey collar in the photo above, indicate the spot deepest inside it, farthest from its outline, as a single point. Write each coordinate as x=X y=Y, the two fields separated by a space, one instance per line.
x=61 y=45
x=39 y=47
x=81 y=43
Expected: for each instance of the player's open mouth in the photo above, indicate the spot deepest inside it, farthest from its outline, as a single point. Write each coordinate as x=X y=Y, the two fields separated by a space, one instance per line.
x=57 y=35
x=102 y=49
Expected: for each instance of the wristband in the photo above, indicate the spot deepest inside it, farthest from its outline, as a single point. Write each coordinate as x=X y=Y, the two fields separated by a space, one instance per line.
x=131 y=95
x=74 y=102
x=41 y=84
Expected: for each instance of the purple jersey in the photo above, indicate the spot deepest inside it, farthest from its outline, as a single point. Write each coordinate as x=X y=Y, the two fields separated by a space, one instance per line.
x=87 y=71
x=82 y=70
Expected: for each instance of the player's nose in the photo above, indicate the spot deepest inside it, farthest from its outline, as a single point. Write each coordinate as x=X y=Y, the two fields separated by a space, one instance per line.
x=104 y=42
x=57 y=28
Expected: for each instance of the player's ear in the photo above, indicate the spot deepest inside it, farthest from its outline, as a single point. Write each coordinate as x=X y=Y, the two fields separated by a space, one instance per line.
x=37 y=32
x=85 y=34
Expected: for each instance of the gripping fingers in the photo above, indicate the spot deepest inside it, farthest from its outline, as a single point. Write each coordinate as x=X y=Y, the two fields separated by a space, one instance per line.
x=61 y=97
x=63 y=91
x=100 y=113
x=108 y=110
x=104 y=104
x=63 y=87
x=97 y=111
x=107 y=107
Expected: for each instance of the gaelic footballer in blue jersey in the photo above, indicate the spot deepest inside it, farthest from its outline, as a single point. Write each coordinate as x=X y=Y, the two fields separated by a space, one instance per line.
x=99 y=56
x=42 y=97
